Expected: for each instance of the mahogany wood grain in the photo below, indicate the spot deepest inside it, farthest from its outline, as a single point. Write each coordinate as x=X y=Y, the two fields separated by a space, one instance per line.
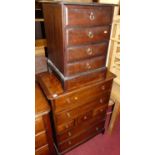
x=87 y=51
x=85 y=65
x=81 y=36
x=87 y=15
x=43 y=151
x=39 y=125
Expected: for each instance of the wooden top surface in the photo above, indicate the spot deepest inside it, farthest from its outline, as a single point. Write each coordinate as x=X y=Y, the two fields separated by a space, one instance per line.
x=52 y=86
x=41 y=104
x=76 y=3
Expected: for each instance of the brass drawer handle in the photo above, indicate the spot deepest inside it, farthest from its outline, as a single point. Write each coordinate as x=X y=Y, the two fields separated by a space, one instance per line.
x=88 y=66
x=105 y=31
x=68 y=114
x=91 y=17
x=75 y=98
x=85 y=117
x=97 y=128
x=69 y=142
x=101 y=100
x=101 y=110
x=103 y=87
x=90 y=35
x=69 y=134
x=89 y=51
x=68 y=100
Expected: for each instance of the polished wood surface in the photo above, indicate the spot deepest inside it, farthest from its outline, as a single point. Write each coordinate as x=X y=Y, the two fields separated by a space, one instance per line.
x=92 y=16
x=76 y=112
x=82 y=36
x=76 y=35
x=86 y=65
x=43 y=132
x=87 y=51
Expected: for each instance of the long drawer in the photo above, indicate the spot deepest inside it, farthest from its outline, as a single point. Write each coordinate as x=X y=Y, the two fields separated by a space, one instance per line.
x=87 y=51
x=86 y=65
x=81 y=36
x=82 y=137
x=81 y=96
x=87 y=15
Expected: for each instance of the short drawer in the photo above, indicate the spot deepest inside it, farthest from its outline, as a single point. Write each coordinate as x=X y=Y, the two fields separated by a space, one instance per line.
x=79 y=128
x=82 y=96
x=87 y=15
x=87 y=51
x=81 y=36
x=39 y=125
x=86 y=65
x=40 y=140
x=82 y=137
x=64 y=127
x=100 y=110
x=43 y=151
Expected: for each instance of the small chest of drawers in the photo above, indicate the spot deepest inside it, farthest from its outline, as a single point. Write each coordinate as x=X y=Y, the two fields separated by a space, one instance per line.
x=43 y=131
x=79 y=114
x=77 y=40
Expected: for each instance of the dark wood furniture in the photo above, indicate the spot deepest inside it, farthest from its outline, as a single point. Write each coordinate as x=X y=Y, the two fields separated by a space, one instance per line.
x=79 y=114
x=43 y=131
x=77 y=39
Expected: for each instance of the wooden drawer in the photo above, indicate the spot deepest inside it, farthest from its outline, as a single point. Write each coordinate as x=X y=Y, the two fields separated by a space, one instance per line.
x=79 y=128
x=43 y=151
x=40 y=140
x=64 y=127
x=82 y=137
x=39 y=125
x=88 y=15
x=81 y=96
x=80 y=36
x=83 y=112
x=86 y=65
x=100 y=110
x=85 y=52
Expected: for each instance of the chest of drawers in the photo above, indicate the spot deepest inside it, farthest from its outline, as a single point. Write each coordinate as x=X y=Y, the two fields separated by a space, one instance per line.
x=43 y=131
x=77 y=40
x=78 y=114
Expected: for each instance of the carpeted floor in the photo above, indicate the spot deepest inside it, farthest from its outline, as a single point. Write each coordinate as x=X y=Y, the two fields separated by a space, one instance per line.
x=101 y=144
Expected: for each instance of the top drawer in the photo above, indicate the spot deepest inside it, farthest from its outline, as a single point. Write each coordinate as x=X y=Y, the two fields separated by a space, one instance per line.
x=88 y=15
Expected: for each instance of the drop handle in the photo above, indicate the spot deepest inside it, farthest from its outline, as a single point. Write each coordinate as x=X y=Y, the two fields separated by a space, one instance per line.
x=85 y=117
x=75 y=98
x=69 y=142
x=101 y=100
x=91 y=16
x=88 y=66
x=90 y=35
x=69 y=134
x=103 y=87
x=97 y=128
x=89 y=51
x=66 y=126
x=68 y=114
x=105 y=31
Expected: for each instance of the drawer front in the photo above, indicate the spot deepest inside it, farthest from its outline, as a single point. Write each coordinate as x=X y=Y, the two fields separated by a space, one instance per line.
x=40 y=140
x=80 y=36
x=43 y=151
x=85 y=52
x=100 y=110
x=64 y=127
x=39 y=125
x=79 y=129
x=86 y=65
x=82 y=113
x=88 y=15
x=82 y=137
x=83 y=96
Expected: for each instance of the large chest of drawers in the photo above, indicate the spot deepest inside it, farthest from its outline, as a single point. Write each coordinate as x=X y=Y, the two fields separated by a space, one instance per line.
x=43 y=132
x=77 y=40
x=79 y=114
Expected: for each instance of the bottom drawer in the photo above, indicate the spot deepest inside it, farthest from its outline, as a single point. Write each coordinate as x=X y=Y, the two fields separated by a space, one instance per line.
x=43 y=151
x=40 y=140
x=82 y=137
